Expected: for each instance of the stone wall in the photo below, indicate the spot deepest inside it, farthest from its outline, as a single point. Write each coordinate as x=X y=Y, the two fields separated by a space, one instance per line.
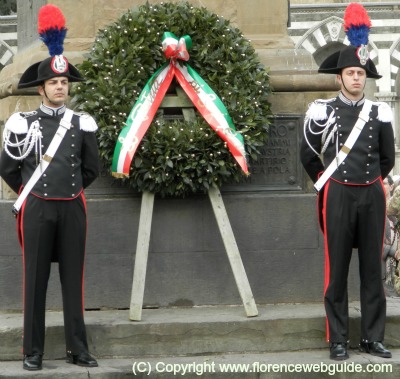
x=8 y=39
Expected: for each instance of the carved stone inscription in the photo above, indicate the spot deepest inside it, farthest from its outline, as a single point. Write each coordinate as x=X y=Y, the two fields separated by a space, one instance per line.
x=278 y=168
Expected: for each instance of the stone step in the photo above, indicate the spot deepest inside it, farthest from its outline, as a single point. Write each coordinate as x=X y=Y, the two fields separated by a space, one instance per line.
x=200 y=333
x=283 y=365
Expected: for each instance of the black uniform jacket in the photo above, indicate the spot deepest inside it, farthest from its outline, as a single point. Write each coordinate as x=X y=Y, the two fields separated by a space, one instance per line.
x=373 y=154
x=74 y=166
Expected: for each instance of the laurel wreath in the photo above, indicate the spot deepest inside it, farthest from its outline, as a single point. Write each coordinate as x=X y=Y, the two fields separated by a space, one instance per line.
x=176 y=157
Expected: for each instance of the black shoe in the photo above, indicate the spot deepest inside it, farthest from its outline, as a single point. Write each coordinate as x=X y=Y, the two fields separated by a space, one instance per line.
x=83 y=359
x=375 y=348
x=338 y=351
x=32 y=362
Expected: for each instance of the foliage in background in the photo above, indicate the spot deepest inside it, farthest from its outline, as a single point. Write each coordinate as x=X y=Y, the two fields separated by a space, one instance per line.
x=8 y=7
x=175 y=158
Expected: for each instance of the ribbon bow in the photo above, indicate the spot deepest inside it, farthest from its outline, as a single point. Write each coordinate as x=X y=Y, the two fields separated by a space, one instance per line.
x=174 y=49
x=203 y=97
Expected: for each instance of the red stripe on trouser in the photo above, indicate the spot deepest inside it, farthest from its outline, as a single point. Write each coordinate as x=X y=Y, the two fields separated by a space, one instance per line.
x=20 y=233
x=327 y=262
x=83 y=271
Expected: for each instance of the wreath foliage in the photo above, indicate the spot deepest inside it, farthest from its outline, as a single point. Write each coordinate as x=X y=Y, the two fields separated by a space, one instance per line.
x=176 y=157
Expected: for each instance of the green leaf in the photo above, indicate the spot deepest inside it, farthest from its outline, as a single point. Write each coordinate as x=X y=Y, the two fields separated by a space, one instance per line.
x=120 y=64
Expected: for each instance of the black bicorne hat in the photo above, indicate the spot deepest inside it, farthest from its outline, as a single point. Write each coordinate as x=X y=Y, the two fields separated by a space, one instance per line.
x=356 y=25
x=52 y=31
x=347 y=57
x=49 y=68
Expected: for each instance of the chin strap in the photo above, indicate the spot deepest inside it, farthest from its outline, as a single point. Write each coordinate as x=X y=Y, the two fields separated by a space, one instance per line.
x=341 y=78
x=48 y=99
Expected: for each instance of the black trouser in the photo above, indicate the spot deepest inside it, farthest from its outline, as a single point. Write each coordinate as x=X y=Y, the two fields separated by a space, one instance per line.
x=53 y=229
x=354 y=214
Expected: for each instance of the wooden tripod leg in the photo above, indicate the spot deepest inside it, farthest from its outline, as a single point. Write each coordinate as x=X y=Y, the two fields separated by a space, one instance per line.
x=233 y=252
x=142 y=252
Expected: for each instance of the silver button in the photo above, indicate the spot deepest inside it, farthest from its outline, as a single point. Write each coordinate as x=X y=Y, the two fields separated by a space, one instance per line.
x=44 y=185
x=45 y=194
x=73 y=184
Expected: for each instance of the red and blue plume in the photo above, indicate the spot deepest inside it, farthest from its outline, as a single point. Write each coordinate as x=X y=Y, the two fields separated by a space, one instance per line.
x=51 y=28
x=357 y=24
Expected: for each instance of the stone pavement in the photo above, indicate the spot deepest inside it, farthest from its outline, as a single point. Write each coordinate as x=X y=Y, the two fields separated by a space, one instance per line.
x=284 y=341
x=285 y=365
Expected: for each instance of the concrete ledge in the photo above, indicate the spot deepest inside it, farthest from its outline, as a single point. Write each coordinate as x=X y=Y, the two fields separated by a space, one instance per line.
x=196 y=331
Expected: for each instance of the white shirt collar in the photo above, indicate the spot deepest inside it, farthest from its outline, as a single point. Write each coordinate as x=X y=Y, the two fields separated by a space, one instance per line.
x=53 y=111
x=351 y=103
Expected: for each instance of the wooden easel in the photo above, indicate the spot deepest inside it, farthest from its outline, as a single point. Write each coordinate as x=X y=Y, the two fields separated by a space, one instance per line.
x=143 y=241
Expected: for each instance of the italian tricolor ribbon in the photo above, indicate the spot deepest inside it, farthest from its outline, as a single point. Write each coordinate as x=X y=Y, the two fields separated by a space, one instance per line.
x=203 y=97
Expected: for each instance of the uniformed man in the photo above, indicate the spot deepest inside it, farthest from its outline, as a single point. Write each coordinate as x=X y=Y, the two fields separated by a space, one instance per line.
x=351 y=194
x=52 y=218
